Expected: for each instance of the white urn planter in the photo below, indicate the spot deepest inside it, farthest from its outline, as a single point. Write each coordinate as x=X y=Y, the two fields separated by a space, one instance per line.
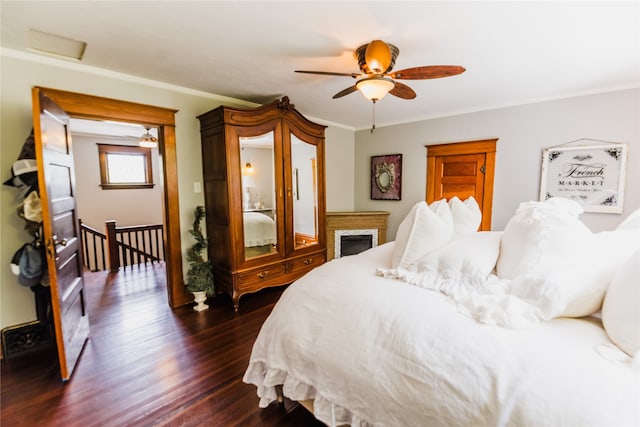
x=200 y=275
x=200 y=297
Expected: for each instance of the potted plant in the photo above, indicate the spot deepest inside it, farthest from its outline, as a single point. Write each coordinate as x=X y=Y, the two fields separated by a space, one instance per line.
x=200 y=274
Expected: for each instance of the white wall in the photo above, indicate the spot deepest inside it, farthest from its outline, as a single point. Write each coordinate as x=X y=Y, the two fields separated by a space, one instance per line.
x=339 y=176
x=523 y=132
x=128 y=206
x=20 y=72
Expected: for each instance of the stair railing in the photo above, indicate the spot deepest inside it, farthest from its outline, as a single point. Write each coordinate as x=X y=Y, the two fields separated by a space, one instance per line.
x=134 y=244
x=121 y=246
x=94 y=245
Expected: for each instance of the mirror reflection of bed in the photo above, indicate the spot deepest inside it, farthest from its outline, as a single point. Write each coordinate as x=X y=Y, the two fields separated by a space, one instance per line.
x=260 y=235
x=258 y=191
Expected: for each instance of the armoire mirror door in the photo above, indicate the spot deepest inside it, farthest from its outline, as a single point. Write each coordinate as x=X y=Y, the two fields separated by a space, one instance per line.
x=259 y=198
x=262 y=167
x=304 y=179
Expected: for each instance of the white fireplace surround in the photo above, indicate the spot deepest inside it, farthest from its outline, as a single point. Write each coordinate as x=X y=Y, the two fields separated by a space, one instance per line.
x=373 y=232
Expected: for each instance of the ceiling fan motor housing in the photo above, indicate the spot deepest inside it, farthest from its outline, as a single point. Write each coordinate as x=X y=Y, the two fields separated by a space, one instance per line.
x=377 y=48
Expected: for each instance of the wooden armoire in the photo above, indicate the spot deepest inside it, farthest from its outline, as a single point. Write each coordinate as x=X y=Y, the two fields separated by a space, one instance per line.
x=264 y=184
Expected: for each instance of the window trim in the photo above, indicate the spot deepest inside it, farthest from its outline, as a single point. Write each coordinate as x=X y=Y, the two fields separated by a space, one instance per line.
x=106 y=149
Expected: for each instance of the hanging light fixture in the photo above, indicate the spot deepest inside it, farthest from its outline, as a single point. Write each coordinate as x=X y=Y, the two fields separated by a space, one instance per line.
x=375 y=88
x=148 y=140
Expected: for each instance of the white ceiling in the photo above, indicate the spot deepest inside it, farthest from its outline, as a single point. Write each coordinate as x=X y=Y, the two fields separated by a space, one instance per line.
x=514 y=52
x=122 y=131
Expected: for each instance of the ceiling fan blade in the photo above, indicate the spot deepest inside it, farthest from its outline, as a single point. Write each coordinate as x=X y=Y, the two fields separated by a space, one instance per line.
x=427 y=72
x=346 y=91
x=328 y=73
x=402 y=91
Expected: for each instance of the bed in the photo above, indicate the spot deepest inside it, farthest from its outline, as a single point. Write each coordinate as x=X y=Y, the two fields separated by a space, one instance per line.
x=259 y=229
x=448 y=339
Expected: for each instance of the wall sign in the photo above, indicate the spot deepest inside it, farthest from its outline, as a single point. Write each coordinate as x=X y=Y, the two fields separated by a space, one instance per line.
x=592 y=175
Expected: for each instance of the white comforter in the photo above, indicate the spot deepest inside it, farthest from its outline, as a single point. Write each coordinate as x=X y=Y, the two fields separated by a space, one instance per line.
x=377 y=351
x=259 y=229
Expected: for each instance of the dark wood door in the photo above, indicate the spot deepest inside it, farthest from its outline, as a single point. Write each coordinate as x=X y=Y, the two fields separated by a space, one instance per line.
x=463 y=169
x=56 y=179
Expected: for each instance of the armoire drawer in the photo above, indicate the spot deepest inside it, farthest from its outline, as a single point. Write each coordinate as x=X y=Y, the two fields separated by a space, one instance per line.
x=307 y=262
x=259 y=277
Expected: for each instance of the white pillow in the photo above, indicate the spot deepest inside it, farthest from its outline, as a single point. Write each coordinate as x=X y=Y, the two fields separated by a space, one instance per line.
x=424 y=229
x=466 y=215
x=554 y=261
x=465 y=261
x=461 y=265
x=541 y=237
x=578 y=287
x=632 y=221
x=621 y=307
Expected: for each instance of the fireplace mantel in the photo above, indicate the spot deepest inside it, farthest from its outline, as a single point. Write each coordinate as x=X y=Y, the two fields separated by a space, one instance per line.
x=355 y=221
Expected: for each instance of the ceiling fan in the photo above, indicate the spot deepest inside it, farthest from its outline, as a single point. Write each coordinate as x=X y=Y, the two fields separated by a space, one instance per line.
x=376 y=60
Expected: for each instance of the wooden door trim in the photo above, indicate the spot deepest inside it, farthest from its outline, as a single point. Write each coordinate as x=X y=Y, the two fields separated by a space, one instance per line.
x=486 y=146
x=464 y=147
x=99 y=108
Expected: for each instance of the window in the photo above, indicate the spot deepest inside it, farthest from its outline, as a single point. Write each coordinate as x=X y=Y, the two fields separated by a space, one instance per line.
x=125 y=166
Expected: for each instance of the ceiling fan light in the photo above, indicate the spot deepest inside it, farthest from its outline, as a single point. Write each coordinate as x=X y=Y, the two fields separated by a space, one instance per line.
x=378 y=56
x=148 y=140
x=375 y=88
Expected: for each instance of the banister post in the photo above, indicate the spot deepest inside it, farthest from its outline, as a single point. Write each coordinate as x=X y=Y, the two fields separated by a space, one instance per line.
x=114 y=258
x=83 y=244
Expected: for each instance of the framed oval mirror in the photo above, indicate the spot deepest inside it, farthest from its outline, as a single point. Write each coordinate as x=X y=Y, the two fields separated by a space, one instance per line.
x=386 y=174
x=385 y=177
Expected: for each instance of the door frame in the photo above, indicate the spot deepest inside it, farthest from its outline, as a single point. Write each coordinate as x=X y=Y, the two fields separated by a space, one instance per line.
x=99 y=108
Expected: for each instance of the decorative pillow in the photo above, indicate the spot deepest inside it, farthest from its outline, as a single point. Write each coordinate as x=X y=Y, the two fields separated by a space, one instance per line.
x=554 y=261
x=541 y=237
x=463 y=264
x=466 y=215
x=621 y=307
x=465 y=261
x=424 y=229
x=632 y=221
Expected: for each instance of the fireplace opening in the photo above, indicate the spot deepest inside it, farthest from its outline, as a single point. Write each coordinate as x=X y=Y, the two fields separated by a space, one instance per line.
x=351 y=245
x=351 y=242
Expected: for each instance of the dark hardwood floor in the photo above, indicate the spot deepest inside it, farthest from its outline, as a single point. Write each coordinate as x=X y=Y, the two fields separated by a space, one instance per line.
x=146 y=365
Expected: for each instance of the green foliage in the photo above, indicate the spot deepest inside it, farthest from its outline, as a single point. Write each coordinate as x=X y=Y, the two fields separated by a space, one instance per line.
x=200 y=274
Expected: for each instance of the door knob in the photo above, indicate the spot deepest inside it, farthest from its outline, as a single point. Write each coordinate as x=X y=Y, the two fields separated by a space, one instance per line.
x=53 y=243
x=57 y=242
